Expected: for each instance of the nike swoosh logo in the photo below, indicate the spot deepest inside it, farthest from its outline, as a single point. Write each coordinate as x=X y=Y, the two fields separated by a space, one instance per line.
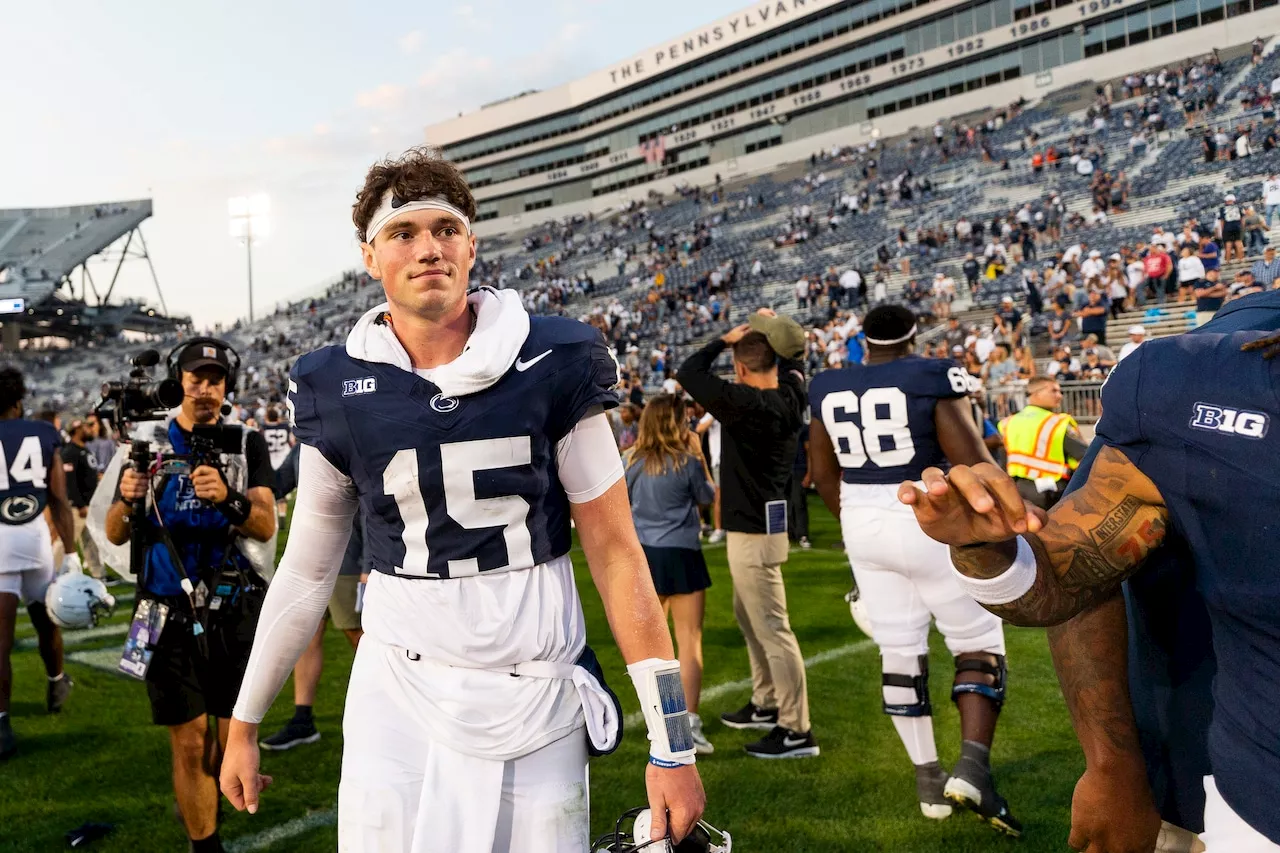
x=761 y=718
x=786 y=741
x=522 y=366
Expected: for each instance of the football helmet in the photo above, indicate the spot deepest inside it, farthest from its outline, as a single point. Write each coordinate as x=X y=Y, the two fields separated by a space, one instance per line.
x=699 y=840
x=858 y=608
x=75 y=600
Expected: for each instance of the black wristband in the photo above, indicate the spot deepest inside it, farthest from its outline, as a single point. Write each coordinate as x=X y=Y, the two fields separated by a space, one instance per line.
x=236 y=507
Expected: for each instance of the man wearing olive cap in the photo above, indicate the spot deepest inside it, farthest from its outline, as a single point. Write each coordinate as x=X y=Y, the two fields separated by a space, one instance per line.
x=761 y=414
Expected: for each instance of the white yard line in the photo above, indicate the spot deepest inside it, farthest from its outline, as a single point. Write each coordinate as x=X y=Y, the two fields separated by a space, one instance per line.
x=74 y=638
x=298 y=826
x=265 y=839
x=106 y=660
x=720 y=690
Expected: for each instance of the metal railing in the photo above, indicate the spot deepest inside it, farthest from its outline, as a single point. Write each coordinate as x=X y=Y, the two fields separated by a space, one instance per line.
x=1082 y=400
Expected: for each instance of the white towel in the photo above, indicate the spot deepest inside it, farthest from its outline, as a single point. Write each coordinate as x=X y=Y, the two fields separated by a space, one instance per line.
x=502 y=325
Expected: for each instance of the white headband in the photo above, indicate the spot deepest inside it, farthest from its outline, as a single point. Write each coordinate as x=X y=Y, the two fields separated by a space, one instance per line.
x=389 y=209
x=908 y=336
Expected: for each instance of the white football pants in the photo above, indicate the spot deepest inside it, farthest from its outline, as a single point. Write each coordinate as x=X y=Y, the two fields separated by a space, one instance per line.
x=403 y=793
x=905 y=579
x=1225 y=831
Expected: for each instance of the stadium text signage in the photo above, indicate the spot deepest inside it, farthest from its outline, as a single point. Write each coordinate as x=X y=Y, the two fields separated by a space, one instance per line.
x=761 y=17
x=778 y=109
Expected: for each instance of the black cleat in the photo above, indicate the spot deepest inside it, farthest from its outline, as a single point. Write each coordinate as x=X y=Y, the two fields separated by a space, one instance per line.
x=751 y=716
x=55 y=695
x=784 y=743
x=295 y=733
x=979 y=796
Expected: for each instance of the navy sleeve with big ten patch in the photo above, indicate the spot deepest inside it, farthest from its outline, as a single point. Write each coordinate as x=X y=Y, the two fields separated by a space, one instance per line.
x=30 y=450
x=456 y=486
x=1208 y=443
x=881 y=417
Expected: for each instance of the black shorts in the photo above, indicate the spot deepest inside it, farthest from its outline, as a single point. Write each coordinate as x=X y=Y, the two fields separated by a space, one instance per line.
x=677 y=571
x=182 y=683
x=1231 y=231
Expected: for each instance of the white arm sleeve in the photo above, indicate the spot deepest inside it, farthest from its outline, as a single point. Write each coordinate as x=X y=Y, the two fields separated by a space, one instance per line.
x=588 y=459
x=300 y=590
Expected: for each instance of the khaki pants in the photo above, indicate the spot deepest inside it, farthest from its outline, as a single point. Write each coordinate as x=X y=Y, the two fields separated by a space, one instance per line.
x=91 y=560
x=760 y=605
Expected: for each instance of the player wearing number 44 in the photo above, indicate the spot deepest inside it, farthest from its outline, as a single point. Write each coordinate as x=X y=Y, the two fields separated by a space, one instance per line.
x=470 y=434
x=874 y=426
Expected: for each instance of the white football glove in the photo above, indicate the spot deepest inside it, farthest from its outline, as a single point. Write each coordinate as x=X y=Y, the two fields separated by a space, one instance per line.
x=71 y=564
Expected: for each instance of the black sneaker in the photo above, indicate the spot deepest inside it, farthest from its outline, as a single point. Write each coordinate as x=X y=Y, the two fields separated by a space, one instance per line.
x=56 y=693
x=295 y=733
x=751 y=716
x=8 y=744
x=784 y=743
x=979 y=796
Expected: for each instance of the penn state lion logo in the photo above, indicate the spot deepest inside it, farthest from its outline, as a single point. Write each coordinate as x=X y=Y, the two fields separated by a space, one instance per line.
x=18 y=509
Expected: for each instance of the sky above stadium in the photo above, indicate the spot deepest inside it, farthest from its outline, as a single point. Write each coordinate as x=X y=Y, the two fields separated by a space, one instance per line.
x=189 y=104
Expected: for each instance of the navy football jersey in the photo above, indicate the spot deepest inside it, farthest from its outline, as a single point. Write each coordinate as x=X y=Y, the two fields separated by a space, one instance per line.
x=277 y=438
x=454 y=486
x=1206 y=441
x=30 y=449
x=880 y=417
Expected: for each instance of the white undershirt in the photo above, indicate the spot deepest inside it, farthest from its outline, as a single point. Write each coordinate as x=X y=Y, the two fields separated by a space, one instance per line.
x=434 y=616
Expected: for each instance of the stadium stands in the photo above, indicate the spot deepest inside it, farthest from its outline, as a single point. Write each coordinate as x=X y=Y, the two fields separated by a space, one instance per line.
x=665 y=273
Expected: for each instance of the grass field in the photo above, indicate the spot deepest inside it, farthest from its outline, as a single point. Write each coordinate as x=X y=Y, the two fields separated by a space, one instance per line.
x=101 y=760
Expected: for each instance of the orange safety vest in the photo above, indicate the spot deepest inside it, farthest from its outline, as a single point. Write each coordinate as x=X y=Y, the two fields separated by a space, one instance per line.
x=1033 y=441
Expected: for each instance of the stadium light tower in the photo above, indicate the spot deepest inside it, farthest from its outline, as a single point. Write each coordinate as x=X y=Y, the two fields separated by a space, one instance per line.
x=249 y=217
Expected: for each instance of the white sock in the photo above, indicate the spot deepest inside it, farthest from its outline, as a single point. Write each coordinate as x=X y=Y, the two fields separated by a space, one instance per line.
x=57 y=677
x=3 y=714
x=916 y=732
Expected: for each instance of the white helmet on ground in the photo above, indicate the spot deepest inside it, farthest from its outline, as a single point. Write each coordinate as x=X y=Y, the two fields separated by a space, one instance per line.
x=858 y=608
x=75 y=600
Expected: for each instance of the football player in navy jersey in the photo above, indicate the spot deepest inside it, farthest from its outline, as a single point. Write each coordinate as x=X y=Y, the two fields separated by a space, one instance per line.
x=1172 y=462
x=31 y=476
x=470 y=434
x=279 y=442
x=873 y=426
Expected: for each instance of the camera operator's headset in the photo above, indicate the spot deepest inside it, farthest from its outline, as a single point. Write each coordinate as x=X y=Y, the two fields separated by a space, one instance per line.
x=233 y=359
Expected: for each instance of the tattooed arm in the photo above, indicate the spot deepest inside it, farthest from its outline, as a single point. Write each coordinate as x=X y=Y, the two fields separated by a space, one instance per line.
x=1091 y=541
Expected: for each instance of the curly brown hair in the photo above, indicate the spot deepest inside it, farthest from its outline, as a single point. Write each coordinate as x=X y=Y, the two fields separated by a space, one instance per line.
x=417 y=173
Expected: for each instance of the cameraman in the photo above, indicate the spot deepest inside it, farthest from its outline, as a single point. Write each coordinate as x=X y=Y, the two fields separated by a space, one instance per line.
x=203 y=650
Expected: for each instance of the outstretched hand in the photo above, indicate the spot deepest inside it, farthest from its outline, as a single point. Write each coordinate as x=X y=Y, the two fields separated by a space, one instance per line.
x=970 y=506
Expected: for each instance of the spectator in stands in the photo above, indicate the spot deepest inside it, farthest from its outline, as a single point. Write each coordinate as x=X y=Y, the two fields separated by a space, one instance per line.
x=1255 y=230
x=1008 y=323
x=667 y=480
x=1105 y=355
x=1191 y=272
x=1230 y=230
x=1266 y=270
x=1137 y=334
x=1061 y=325
x=628 y=425
x=850 y=285
x=802 y=292
x=100 y=443
x=1210 y=294
x=971 y=270
x=1244 y=286
x=954 y=334
x=1210 y=258
x=1093 y=316
x=1065 y=367
x=1271 y=196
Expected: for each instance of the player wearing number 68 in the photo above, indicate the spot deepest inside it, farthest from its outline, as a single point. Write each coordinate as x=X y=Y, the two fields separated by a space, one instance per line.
x=873 y=426
x=469 y=434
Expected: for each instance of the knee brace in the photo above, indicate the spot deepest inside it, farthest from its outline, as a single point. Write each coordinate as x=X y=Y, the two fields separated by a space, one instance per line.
x=918 y=683
x=992 y=674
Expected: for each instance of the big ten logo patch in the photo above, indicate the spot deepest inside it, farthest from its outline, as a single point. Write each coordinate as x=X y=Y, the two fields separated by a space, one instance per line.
x=1214 y=418
x=352 y=387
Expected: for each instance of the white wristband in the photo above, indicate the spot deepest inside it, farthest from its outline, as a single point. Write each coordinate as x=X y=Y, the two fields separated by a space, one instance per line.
x=1006 y=587
x=666 y=715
